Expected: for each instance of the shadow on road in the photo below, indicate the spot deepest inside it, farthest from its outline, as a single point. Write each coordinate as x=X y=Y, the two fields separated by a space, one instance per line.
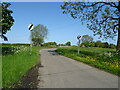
x=52 y=52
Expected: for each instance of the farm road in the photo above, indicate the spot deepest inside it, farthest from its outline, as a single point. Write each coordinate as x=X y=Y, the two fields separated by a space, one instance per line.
x=62 y=72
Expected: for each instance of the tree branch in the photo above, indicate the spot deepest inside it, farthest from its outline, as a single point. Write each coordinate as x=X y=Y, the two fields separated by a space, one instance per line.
x=98 y=8
x=114 y=18
x=110 y=4
x=4 y=37
x=115 y=27
x=104 y=20
x=114 y=4
x=93 y=4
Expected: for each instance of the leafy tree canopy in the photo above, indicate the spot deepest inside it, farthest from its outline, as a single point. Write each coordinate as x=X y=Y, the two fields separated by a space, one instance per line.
x=50 y=44
x=6 y=21
x=39 y=33
x=86 y=38
x=68 y=43
x=98 y=44
x=103 y=18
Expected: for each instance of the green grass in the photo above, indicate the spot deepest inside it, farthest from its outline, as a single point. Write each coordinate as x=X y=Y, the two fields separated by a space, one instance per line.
x=102 y=58
x=14 y=66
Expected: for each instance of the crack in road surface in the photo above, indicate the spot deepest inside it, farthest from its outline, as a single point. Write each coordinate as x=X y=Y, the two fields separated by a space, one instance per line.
x=62 y=72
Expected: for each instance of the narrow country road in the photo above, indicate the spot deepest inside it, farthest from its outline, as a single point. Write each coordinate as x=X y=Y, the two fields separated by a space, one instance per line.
x=62 y=72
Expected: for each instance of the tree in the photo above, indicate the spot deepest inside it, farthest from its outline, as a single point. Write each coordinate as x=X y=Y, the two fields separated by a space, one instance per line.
x=86 y=38
x=98 y=44
x=92 y=44
x=39 y=33
x=102 y=17
x=86 y=44
x=6 y=21
x=61 y=44
x=112 y=46
x=68 y=43
x=50 y=44
x=105 y=45
x=37 y=41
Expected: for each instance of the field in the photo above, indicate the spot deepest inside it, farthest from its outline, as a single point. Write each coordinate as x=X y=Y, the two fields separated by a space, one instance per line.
x=16 y=61
x=102 y=58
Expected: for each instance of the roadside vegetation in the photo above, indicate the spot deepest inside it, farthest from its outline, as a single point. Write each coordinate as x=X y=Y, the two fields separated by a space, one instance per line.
x=102 y=58
x=16 y=61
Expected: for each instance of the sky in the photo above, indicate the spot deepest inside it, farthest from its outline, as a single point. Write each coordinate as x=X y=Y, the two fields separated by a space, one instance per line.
x=58 y=0
x=61 y=27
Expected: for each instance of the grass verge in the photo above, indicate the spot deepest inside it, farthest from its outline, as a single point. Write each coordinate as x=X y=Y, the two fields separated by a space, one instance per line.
x=102 y=58
x=14 y=66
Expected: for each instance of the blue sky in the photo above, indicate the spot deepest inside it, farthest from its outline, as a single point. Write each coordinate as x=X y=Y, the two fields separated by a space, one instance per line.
x=61 y=27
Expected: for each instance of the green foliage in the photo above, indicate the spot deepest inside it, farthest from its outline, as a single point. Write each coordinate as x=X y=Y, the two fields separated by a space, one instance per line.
x=102 y=44
x=61 y=45
x=92 y=44
x=37 y=41
x=9 y=50
x=50 y=44
x=39 y=33
x=101 y=17
x=86 y=44
x=106 y=59
x=112 y=46
x=6 y=21
x=105 y=45
x=15 y=44
x=16 y=65
x=68 y=43
x=98 y=44
x=87 y=38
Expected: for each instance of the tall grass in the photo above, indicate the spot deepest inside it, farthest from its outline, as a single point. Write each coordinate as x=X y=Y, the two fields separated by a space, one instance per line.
x=14 y=66
x=102 y=58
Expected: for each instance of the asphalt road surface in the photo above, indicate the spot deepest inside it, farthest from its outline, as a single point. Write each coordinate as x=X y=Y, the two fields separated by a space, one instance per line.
x=62 y=72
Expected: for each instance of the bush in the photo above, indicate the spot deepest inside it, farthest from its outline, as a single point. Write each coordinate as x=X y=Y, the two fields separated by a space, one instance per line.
x=9 y=50
x=50 y=44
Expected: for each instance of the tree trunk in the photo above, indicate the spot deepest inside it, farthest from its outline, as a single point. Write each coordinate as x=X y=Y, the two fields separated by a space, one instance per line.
x=118 y=41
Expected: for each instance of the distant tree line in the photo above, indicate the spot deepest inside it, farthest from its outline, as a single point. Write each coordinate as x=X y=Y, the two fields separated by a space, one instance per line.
x=50 y=44
x=55 y=44
x=98 y=44
x=87 y=41
x=15 y=44
x=66 y=44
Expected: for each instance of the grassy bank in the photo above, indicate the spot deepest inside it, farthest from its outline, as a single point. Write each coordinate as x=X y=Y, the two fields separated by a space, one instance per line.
x=14 y=66
x=102 y=58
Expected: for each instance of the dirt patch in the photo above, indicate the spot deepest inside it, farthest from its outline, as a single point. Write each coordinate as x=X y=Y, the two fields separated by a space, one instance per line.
x=30 y=79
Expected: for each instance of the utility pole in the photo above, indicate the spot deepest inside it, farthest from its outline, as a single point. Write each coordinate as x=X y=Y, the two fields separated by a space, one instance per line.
x=30 y=27
x=78 y=37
